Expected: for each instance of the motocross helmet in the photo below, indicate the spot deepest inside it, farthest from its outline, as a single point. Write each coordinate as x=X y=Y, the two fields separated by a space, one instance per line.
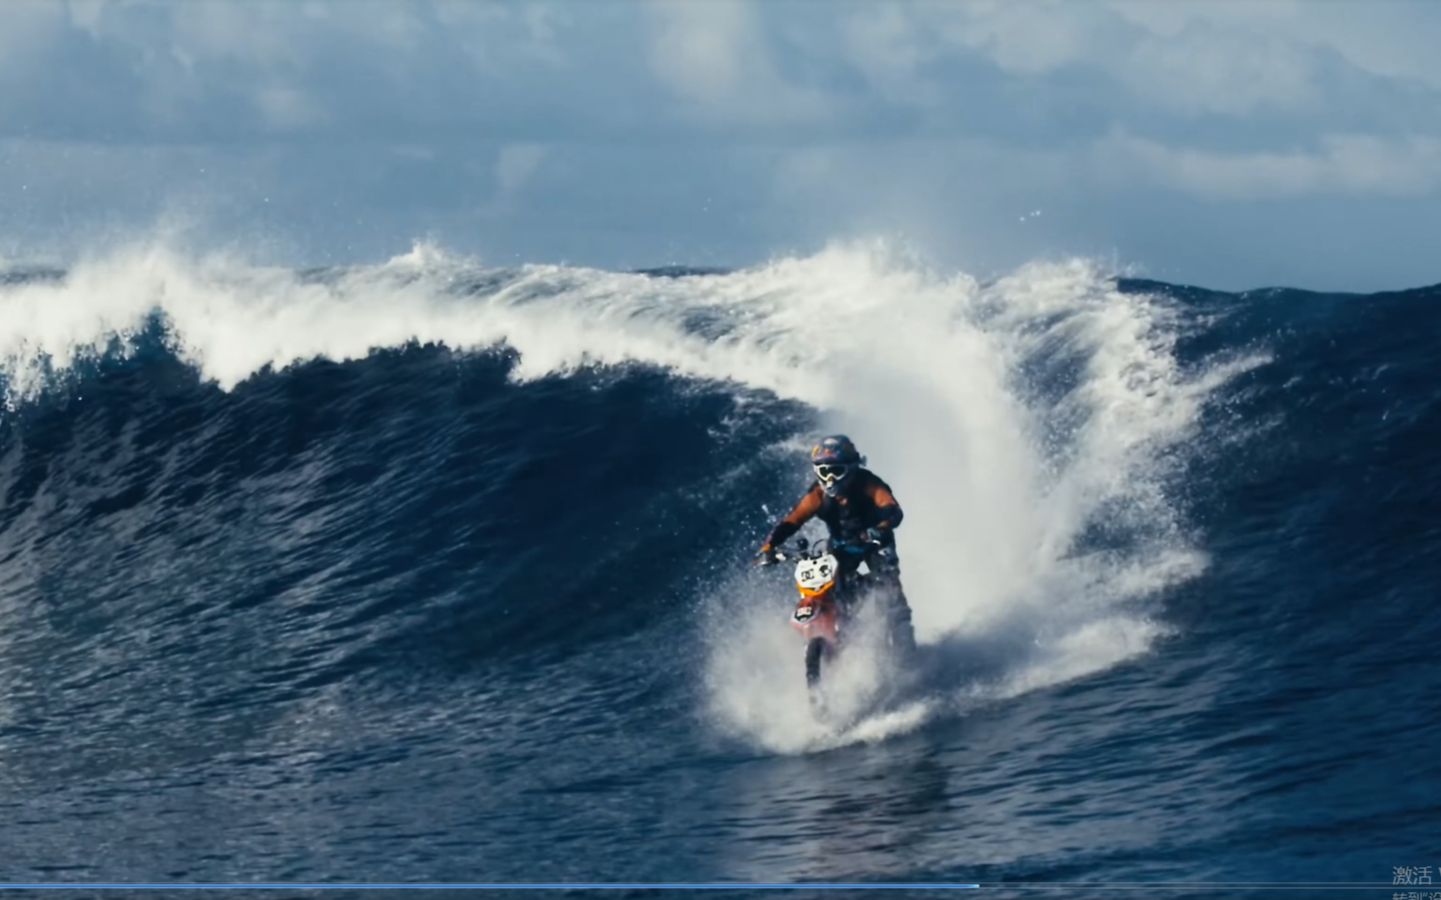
x=835 y=459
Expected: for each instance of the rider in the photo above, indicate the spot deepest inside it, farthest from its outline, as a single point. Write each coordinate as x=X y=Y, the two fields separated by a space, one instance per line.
x=858 y=508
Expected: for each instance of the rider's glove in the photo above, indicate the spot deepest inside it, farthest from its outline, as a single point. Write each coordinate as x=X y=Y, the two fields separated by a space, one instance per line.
x=874 y=536
x=766 y=556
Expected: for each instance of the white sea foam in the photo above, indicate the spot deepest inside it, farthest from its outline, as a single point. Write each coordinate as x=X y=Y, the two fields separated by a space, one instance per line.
x=931 y=373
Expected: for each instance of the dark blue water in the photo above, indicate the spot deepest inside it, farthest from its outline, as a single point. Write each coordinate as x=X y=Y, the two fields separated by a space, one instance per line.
x=421 y=615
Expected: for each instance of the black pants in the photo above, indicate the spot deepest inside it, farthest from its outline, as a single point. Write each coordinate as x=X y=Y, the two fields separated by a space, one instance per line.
x=885 y=582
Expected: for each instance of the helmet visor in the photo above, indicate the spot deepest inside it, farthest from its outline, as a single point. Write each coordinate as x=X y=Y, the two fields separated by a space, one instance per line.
x=830 y=473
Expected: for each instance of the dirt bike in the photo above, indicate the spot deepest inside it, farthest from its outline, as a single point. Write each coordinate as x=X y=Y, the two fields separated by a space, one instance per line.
x=831 y=585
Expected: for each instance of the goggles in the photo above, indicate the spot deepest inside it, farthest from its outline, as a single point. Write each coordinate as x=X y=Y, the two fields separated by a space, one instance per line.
x=830 y=473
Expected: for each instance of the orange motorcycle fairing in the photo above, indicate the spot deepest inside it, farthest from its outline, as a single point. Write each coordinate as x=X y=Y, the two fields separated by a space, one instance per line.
x=816 y=614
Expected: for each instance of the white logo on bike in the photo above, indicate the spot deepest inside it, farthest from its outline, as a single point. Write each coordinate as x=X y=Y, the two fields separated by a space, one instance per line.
x=814 y=574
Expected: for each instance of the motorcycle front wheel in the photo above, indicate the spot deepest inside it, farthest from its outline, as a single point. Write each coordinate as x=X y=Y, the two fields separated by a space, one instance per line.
x=815 y=652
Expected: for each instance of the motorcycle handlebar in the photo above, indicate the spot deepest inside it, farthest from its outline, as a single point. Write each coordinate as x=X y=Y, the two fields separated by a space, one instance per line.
x=833 y=547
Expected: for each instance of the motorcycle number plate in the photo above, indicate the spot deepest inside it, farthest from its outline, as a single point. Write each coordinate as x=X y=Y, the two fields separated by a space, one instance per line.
x=814 y=574
x=805 y=613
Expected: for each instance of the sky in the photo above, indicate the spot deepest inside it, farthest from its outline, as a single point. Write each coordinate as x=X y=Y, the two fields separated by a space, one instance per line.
x=1225 y=143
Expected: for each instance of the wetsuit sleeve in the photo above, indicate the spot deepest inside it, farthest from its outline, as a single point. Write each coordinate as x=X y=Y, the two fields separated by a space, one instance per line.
x=886 y=506
x=810 y=505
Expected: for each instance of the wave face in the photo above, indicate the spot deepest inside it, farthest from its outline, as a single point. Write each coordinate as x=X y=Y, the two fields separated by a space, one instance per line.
x=428 y=570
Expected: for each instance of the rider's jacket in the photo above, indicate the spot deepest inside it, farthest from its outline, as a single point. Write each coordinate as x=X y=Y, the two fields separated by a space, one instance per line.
x=865 y=502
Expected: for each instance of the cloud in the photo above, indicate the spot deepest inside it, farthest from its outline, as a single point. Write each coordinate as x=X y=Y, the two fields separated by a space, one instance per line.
x=1173 y=60
x=716 y=130
x=286 y=108
x=515 y=166
x=1342 y=164
x=535 y=31
x=233 y=72
x=28 y=29
x=1201 y=71
x=1024 y=39
x=1393 y=39
x=716 y=57
x=209 y=71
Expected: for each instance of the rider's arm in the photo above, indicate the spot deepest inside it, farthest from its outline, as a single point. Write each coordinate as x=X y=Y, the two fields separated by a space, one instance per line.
x=886 y=506
x=810 y=505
